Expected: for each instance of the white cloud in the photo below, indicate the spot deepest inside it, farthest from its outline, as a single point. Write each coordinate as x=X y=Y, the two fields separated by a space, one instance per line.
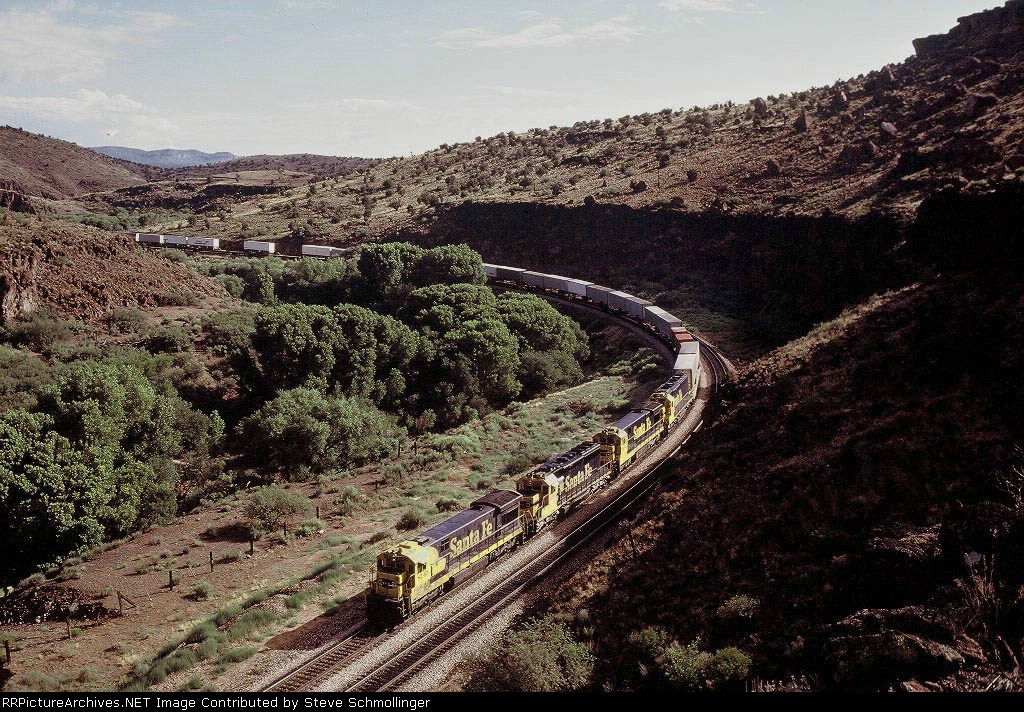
x=546 y=32
x=694 y=10
x=107 y=114
x=51 y=44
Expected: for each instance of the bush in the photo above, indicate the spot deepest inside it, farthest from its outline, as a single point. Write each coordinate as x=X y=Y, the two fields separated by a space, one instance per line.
x=127 y=321
x=41 y=332
x=309 y=527
x=269 y=506
x=232 y=283
x=448 y=504
x=728 y=665
x=738 y=607
x=202 y=591
x=540 y=657
x=412 y=519
x=237 y=655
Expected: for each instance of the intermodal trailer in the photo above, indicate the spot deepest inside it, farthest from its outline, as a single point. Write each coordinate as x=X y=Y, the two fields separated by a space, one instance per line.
x=176 y=240
x=688 y=347
x=599 y=294
x=268 y=248
x=509 y=274
x=577 y=287
x=490 y=270
x=210 y=243
x=635 y=306
x=322 y=251
x=662 y=321
x=533 y=279
x=688 y=364
x=149 y=238
x=556 y=282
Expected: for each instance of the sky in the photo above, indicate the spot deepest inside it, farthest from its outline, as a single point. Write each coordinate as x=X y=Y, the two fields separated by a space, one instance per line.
x=391 y=77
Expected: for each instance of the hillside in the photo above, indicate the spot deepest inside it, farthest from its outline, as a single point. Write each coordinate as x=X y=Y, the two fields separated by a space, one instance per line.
x=865 y=490
x=83 y=274
x=878 y=143
x=35 y=165
x=165 y=157
x=308 y=163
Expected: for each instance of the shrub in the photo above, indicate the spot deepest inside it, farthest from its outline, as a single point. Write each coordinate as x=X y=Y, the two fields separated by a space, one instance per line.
x=309 y=527
x=202 y=591
x=127 y=321
x=229 y=555
x=251 y=621
x=540 y=657
x=728 y=665
x=738 y=607
x=237 y=655
x=411 y=519
x=269 y=506
x=41 y=332
x=448 y=504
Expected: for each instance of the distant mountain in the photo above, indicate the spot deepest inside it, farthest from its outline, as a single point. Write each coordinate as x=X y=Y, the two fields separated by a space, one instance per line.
x=165 y=157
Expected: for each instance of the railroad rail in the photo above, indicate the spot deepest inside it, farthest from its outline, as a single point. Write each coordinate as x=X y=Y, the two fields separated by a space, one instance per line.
x=434 y=643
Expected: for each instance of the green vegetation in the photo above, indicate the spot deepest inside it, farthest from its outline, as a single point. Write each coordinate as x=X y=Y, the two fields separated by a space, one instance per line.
x=268 y=507
x=656 y=661
x=542 y=656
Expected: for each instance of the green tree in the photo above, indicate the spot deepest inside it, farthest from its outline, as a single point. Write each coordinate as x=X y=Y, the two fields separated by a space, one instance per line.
x=303 y=430
x=268 y=507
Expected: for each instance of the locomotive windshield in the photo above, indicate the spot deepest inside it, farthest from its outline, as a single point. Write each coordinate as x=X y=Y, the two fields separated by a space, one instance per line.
x=391 y=565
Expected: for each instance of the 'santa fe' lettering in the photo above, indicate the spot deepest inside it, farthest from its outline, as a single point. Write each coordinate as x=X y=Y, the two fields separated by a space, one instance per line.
x=577 y=479
x=463 y=544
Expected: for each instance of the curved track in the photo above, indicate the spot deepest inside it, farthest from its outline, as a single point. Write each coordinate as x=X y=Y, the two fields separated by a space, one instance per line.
x=434 y=643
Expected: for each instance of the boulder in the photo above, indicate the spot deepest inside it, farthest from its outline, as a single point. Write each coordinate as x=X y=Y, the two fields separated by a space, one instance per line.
x=978 y=103
x=760 y=107
x=802 y=123
x=886 y=78
x=772 y=168
x=692 y=175
x=887 y=131
x=839 y=101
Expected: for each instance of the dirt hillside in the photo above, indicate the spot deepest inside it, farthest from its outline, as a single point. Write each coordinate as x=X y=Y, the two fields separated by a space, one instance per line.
x=48 y=167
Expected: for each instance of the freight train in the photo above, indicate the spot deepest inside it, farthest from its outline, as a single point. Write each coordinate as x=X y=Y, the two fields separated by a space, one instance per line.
x=419 y=570
x=256 y=247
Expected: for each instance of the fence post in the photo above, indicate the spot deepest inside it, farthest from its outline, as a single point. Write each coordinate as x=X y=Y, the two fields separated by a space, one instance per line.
x=67 y=622
x=170 y=580
x=7 y=652
x=318 y=511
x=252 y=547
x=120 y=605
x=211 y=560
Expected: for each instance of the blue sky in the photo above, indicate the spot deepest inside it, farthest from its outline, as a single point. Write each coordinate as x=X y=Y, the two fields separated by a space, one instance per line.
x=391 y=77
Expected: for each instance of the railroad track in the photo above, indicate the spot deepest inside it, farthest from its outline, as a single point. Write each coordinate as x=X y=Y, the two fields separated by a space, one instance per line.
x=434 y=643
x=408 y=662
x=324 y=663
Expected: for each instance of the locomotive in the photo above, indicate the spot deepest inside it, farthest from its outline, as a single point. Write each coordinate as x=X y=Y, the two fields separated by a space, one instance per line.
x=419 y=570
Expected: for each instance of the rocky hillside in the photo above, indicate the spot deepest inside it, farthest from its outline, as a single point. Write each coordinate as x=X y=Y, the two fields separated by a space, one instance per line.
x=83 y=273
x=855 y=518
x=307 y=163
x=165 y=157
x=34 y=165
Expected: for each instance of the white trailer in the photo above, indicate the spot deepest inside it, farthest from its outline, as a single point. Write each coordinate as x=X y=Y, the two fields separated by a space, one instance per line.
x=149 y=238
x=688 y=364
x=509 y=274
x=490 y=270
x=210 y=243
x=534 y=279
x=259 y=246
x=577 y=287
x=322 y=251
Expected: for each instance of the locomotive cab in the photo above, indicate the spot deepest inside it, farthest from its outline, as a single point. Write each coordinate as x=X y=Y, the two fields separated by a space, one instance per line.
x=540 y=499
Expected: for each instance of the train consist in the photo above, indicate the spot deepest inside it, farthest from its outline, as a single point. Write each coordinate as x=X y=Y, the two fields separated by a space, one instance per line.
x=419 y=570
x=256 y=247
